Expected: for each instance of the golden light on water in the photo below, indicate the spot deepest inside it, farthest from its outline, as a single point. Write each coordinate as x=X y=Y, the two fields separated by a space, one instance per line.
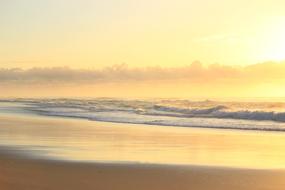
x=109 y=142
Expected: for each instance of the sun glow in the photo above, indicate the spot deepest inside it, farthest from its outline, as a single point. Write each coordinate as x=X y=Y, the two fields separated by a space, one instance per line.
x=275 y=41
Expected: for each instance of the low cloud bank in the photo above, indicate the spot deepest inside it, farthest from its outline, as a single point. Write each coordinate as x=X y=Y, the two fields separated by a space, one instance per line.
x=195 y=72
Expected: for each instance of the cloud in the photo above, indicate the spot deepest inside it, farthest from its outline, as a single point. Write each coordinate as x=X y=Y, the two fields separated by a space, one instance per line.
x=195 y=72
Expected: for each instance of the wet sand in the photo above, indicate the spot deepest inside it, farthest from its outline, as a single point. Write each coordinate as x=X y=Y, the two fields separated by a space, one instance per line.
x=34 y=152
x=29 y=174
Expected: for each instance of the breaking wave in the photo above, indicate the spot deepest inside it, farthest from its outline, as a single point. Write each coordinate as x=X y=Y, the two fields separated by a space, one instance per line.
x=184 y=113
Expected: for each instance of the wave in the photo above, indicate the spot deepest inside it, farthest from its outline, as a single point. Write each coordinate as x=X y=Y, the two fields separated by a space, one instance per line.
x=251 y=115
x=183 y=113
x=131 y=118
x=190 y=111
x=224 y=112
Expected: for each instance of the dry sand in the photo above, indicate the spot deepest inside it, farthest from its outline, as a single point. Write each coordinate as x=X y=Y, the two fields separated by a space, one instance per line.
x=18 y=173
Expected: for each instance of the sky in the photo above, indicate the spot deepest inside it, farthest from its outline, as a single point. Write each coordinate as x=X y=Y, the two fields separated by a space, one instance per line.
x=136 y=47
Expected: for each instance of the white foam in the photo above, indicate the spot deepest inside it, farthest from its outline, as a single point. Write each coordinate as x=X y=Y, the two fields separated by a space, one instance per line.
x=261 y=116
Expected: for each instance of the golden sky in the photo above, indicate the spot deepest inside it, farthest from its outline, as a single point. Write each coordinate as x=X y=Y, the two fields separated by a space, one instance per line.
x=96 y=33
x=149 y=35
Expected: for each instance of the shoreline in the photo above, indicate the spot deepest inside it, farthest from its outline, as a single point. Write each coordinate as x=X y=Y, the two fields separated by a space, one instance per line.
x=22 y=168
x=270 y=125
x=90 y=141
x=147 y=125
x=15 y=153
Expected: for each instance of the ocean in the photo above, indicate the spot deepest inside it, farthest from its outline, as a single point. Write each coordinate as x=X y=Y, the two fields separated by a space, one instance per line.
x=268 y=116
x=158 y=131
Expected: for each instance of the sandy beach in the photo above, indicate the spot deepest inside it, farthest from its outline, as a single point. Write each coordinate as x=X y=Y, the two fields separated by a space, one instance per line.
x=41 y=153
x=28 y=174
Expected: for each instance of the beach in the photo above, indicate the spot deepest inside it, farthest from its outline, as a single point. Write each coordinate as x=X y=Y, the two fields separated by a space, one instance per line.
x=71 y=139
x=27 y=174
x=45 y=153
